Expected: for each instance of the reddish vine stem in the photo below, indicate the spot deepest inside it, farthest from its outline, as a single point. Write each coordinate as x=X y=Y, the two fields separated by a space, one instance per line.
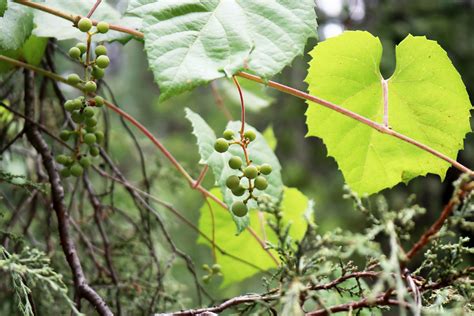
x=379 y=127
x=434 y=229
x=242 y=106
x=93 y=8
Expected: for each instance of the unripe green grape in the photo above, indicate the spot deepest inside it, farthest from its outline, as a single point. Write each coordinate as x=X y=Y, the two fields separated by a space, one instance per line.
x=216 y=268
x=221 y=145
x=82 y=47
x=77 y=117
x=84 y=24
x=103 y=27
x=265 y=169
x=65 y=172
x=85 y=162
x=90 y=138
x=232 y=182
x=73 y=79
x=99 y=101
x=62 y=159
x=235 y=162
x=251 y=172
x=75 y=52
x=90 y=129
x=77 y=103
x=100 y=136
x=90 y=121
x=94 y=151
x=76 y=170
x=69 y=105
x=98 y=73
x=228 y=134
x=239 y=209
x=88 y=111
x=261 y=183
x=238 y=191
x=100 y=50
x=102 y=61
x=90 y=87
x=64 y=135
x=206 y=278
x=250 y=135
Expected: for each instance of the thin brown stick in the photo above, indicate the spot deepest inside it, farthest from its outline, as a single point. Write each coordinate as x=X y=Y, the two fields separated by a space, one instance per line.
x=57 y=195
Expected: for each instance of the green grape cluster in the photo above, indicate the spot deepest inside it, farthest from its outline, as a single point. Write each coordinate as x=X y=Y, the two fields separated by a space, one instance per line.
x=255 y=174
x=83 y=109
x=215 y=270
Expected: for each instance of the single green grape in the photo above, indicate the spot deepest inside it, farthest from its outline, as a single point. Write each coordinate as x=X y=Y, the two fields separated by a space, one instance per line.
x=235 y=162
x=228 y=134
x=221 y=145
x=90 y=138
x=103 y=27
x=65 y=172
x=64 y=135
x=251 y=172
x=91 y=129
x=261 y=183
x=88 y=111
x=78 y=103
x=216 y=268
x=102 y=61
x=98 y=73
x=85 y=162
x=238 y=191
x=75 y=53
x=62 y=159
x=94 y=151
x=90 y=86
x=265 y=169
x=99 y=101
x=84 y=24
x=206 y=278
x=100 y=50
x=100 y=136
x=90 y=121
x=239 y=209
x=250 y=135
x=232 y=182
x=82 y=47
x=73 y=79
x=76 y=170
x=77 y=117
x=69 y=105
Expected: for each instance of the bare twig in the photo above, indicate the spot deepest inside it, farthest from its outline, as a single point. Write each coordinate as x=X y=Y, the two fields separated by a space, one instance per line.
x=57 y=194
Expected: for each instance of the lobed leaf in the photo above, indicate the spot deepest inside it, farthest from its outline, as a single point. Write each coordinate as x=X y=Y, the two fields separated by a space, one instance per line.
x=427 y=101
x=190 y=43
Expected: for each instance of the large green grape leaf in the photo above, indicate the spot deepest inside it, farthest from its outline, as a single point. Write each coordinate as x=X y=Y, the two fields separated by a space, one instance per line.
x=15 y=27
x=427 y=101
x=191 y=42
x=258 y=150
x=295 y=207
x=47 y=25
